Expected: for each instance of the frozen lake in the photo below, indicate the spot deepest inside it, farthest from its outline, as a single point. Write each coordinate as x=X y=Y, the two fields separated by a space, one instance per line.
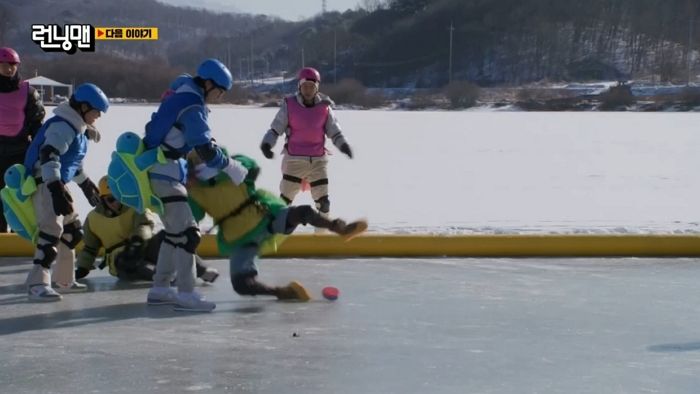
x=484 y=172
x=413 y=325
x=403 y=326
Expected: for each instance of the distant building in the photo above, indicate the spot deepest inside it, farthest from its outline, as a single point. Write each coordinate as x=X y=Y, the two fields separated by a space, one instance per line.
x=47 y=89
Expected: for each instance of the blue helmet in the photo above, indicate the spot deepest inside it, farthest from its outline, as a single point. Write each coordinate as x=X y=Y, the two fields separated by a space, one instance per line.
x=92 y=95
x=217 y=72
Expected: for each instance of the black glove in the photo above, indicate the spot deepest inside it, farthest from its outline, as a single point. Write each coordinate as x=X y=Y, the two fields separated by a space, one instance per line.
x=134 y=248
x=130 y=258
x=62 y=200
x=81 y=272
x=125 y=265
x=252 y=174
x=267 y=150
x=345 y=148
x=91 y=192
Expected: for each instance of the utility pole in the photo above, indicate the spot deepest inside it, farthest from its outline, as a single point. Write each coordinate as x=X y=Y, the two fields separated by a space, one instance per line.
x=449 y=76
x=228 y=53
x=252 y=63
x=323 y=6
x=690 y=40
x=335 y=64
x=303 y=63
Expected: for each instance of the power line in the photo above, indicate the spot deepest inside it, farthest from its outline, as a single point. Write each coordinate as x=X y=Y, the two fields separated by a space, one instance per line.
x=449 y=75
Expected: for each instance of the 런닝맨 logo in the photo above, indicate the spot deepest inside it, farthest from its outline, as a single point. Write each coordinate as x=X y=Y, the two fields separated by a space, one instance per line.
x=70 y=38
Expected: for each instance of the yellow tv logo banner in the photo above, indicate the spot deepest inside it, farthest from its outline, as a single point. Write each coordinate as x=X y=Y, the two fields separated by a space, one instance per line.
x=126 y=33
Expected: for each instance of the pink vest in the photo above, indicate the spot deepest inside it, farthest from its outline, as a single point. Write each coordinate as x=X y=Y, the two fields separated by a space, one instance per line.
x=307 y=133
x=12 y=110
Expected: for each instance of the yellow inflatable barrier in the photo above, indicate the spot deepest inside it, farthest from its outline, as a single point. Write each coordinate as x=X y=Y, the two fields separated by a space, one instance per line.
x=379 y=245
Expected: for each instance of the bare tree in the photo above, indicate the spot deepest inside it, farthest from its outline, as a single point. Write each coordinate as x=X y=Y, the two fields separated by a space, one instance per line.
x=5 y=18
x=371 y=5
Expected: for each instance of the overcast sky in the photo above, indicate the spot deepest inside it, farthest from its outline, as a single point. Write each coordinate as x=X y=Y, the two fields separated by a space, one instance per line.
x=290 y=10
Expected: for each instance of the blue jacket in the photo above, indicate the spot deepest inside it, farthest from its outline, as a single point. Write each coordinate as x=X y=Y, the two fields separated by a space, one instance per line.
x=71 y=161
x=184 y=113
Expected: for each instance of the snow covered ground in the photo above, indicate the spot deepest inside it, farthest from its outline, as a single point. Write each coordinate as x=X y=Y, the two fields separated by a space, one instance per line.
x=483 y=172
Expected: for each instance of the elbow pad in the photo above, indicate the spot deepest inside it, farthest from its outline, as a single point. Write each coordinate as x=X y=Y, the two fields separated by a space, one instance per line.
x=48 y=153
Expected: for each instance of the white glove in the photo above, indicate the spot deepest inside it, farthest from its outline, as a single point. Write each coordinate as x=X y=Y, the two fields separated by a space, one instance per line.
x=93 y=134
x=235 y=171
x=203 y=173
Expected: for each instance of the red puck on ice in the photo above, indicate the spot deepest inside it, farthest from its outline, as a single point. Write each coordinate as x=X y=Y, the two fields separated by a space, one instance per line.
x=330 y=293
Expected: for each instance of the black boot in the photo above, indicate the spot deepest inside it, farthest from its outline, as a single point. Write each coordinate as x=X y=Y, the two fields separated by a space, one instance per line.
x=348 y=230
x=247 y=284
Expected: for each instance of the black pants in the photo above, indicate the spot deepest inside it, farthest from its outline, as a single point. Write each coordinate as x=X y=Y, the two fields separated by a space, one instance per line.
x=8 y=158
x=145 y=269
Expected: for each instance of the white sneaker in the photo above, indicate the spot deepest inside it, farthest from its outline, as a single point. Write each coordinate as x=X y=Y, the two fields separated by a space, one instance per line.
x=74 y=287
x=43 y=293
x=193 y=302
x=161 y=296
x=209 y=275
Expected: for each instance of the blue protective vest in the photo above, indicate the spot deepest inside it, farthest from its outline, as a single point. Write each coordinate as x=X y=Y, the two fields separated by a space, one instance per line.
x=163 y=120
x=70 y=161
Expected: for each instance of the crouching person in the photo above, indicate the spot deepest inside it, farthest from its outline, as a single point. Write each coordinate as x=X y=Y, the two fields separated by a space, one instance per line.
x=250 y=220
x=131 y=248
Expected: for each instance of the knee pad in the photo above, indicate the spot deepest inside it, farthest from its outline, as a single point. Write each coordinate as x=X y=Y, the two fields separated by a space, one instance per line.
x=323 y=204
x=302 y=214
x=48 y=255
x=72 y=234
x=193 y=237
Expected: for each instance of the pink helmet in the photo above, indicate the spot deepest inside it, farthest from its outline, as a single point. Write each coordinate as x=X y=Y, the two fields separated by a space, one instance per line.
x=309 y=74
x=8 y=55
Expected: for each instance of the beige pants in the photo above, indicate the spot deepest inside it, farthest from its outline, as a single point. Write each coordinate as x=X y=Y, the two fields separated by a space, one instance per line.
x=52 y=225
x=297 y=168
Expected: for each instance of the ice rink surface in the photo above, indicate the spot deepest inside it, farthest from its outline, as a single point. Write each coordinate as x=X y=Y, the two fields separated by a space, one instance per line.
x=400 y=326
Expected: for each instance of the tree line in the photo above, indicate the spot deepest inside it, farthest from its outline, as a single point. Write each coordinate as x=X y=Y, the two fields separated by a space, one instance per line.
x=388 y=43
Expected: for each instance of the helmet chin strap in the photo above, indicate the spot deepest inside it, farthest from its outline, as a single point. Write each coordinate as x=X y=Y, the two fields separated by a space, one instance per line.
x=206 y=91
x=214 y=86
x=83 y=113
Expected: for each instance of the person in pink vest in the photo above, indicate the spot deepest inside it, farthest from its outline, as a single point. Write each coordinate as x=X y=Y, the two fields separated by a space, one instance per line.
x=307 y=119
x=21 y=114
